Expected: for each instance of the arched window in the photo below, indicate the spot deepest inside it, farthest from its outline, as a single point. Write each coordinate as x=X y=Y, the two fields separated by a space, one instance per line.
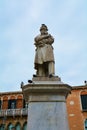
x=25 y=126
x=10 y=126
x=86 y=124
x=18 y=126
x=12 y=104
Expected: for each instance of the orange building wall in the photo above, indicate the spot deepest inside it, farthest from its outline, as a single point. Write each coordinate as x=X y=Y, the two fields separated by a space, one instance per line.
x=76 y=116
x=7 y=96
x=4 y=97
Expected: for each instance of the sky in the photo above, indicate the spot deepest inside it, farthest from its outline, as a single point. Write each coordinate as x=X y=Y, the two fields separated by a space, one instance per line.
x=19 y=24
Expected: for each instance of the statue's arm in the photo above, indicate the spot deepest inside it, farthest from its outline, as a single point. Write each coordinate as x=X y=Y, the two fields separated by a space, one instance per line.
x=39 y=39
x=43 y=39
x=50 y=40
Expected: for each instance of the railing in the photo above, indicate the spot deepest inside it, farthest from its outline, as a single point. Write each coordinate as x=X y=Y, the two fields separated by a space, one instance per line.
x=14 y=112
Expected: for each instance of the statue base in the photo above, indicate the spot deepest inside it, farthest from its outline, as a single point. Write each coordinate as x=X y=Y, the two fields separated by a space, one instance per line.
x=46 y=99
x=42 y=78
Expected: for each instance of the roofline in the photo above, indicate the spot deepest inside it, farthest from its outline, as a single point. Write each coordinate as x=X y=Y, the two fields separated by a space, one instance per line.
x=20 y=92
x=79 y=87
x=12 y=92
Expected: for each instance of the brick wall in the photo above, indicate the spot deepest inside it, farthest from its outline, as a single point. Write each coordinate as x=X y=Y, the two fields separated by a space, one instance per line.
x=75 y=114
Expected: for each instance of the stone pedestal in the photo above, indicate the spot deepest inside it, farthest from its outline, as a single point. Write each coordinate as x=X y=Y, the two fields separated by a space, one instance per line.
x=46 y=99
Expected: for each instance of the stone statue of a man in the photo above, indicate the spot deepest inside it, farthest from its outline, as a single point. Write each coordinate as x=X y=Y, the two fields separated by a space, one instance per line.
x=44 y=57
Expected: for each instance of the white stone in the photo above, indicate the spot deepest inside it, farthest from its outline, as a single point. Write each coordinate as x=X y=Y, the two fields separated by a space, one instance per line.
x=47 y=116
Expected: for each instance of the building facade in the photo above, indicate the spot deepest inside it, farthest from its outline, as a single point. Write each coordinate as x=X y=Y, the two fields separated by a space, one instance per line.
x=14 y=109
x=77 y=108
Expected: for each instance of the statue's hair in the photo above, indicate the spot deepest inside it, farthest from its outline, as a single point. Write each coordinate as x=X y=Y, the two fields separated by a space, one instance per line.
x=43 y=26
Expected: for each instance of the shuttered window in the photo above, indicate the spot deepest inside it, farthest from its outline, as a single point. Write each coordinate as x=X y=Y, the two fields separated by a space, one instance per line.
x=84 y=102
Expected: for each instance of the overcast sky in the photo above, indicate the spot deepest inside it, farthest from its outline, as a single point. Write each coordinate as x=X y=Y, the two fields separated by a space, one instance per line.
x=20 y=21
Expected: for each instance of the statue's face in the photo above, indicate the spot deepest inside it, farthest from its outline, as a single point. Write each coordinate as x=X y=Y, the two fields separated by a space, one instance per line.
x=43 y=31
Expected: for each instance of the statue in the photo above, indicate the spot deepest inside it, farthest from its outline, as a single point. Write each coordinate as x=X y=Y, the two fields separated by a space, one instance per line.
x=44 y=57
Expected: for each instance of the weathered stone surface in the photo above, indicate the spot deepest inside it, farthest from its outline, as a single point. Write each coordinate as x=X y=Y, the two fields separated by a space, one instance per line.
x=46 y=94
x=43 y=78
x=47 y=116
x=47 y=104
x=45 y=90
x=44 y=57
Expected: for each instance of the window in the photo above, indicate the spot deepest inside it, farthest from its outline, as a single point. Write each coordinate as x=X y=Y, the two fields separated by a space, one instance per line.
x=25 y=126
x=12 y=104
x=86 y=124
x=18 y=126
x=0 y=104
x=25 y=104
x=2 y=127
x=84 y=102
x=10 y=126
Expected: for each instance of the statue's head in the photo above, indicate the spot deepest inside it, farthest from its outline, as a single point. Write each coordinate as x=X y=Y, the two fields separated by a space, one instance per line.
x=43 y=27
